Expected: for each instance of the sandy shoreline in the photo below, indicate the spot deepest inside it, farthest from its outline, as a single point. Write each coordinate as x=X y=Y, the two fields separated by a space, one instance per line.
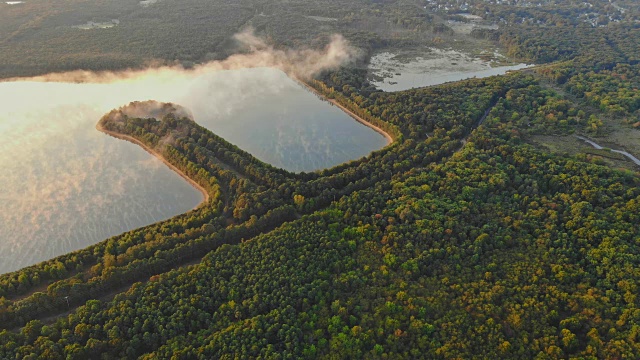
x=159 y=156
x=357 y=118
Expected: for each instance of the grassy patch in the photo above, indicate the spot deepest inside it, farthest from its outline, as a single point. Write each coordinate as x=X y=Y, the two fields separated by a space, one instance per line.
x=570 y=146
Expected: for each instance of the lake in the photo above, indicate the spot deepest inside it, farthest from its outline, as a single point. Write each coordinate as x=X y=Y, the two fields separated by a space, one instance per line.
x=390 y=72
x=64 y=185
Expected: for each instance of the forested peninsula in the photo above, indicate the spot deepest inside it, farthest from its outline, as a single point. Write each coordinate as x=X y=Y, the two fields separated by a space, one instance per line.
x=197 y=186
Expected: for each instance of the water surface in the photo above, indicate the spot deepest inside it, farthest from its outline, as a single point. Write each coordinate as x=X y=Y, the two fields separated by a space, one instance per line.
x=390 y=72
x=64 y=185
x=278 y=121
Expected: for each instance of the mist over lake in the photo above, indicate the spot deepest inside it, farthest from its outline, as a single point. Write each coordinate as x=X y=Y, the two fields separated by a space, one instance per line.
x=65 y=186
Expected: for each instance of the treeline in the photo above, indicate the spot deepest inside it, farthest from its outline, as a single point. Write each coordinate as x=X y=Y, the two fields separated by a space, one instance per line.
x=589 y=48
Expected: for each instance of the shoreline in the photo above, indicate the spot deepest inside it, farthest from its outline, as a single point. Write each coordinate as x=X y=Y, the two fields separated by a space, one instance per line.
x=159 y=156
x=357 y=118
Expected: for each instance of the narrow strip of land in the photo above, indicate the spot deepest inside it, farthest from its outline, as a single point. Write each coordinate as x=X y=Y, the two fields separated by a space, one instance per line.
x=357 y=118
x=159 y=156
x=361 y=120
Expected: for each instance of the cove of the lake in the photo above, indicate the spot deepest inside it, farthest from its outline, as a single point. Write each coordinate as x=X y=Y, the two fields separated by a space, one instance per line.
x=397 y=72
x=65 y=186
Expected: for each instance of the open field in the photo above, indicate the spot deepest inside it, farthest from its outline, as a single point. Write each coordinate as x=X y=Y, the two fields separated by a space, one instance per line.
x=571 y=146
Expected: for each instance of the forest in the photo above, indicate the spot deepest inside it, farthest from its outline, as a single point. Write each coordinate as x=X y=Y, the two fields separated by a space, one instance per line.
x=460 y=239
